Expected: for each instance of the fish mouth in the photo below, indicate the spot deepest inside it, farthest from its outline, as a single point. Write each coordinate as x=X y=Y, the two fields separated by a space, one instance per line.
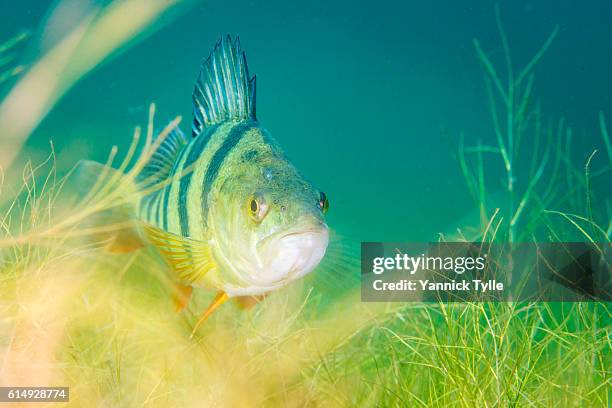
x=290 y=254
x=319 y=230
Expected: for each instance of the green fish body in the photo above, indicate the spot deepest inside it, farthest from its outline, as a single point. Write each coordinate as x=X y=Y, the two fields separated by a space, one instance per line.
x=230 y=211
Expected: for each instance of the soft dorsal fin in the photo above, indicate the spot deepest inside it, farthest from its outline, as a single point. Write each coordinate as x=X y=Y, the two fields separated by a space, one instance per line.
x=223 y=90
x=160 y=164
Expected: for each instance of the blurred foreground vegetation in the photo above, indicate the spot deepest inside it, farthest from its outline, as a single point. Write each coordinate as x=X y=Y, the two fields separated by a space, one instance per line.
x=71 y=314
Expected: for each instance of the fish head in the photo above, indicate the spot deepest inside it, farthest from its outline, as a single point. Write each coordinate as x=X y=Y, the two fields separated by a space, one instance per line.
x=269 y=225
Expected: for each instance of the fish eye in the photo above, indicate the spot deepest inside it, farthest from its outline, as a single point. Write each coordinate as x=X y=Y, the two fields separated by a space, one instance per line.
x=257 y=208
x=323 y=202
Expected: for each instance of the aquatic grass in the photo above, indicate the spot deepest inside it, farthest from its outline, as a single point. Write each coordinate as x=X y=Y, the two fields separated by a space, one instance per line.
x=604 y=133
x=512 y=117
x=98 y=35
x=72 y=314
x=105 y=326
x=480 y=355
x=8 y=55
x=532 y=172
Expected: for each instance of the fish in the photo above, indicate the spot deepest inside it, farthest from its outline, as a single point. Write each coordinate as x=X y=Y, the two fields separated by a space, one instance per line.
x=231 y=213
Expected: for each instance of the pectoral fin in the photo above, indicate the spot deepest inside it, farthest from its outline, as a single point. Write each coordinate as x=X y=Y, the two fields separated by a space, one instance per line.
x=190 y=259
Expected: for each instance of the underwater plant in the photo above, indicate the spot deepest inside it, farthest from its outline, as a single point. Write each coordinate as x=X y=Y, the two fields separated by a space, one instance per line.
x=7 y=57
x=71 y=314
x=535 y=154
x=100 y=33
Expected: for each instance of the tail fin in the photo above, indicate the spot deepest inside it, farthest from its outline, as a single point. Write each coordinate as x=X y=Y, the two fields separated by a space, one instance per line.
x=98 y=184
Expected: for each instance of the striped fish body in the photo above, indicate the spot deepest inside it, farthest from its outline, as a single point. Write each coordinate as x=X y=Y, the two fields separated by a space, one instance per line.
x=225 y=207
x=176 y=216
x=181 y=206
x=223 y=166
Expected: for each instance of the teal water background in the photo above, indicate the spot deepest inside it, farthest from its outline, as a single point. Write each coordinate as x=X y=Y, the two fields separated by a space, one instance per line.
x=367 y=98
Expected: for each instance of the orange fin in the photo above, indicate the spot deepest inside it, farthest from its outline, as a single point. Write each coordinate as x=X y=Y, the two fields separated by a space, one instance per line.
x=125 y=240
x=247 y=302
x=219 y=299
x=181 y=296
x=190 y=259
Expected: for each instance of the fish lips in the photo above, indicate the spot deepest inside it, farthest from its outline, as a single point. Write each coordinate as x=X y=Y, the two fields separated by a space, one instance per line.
x=290 y=254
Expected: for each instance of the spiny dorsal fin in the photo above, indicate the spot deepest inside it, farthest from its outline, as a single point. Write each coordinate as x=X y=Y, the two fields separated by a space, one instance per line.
x=223 y=90
x=160 y=164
